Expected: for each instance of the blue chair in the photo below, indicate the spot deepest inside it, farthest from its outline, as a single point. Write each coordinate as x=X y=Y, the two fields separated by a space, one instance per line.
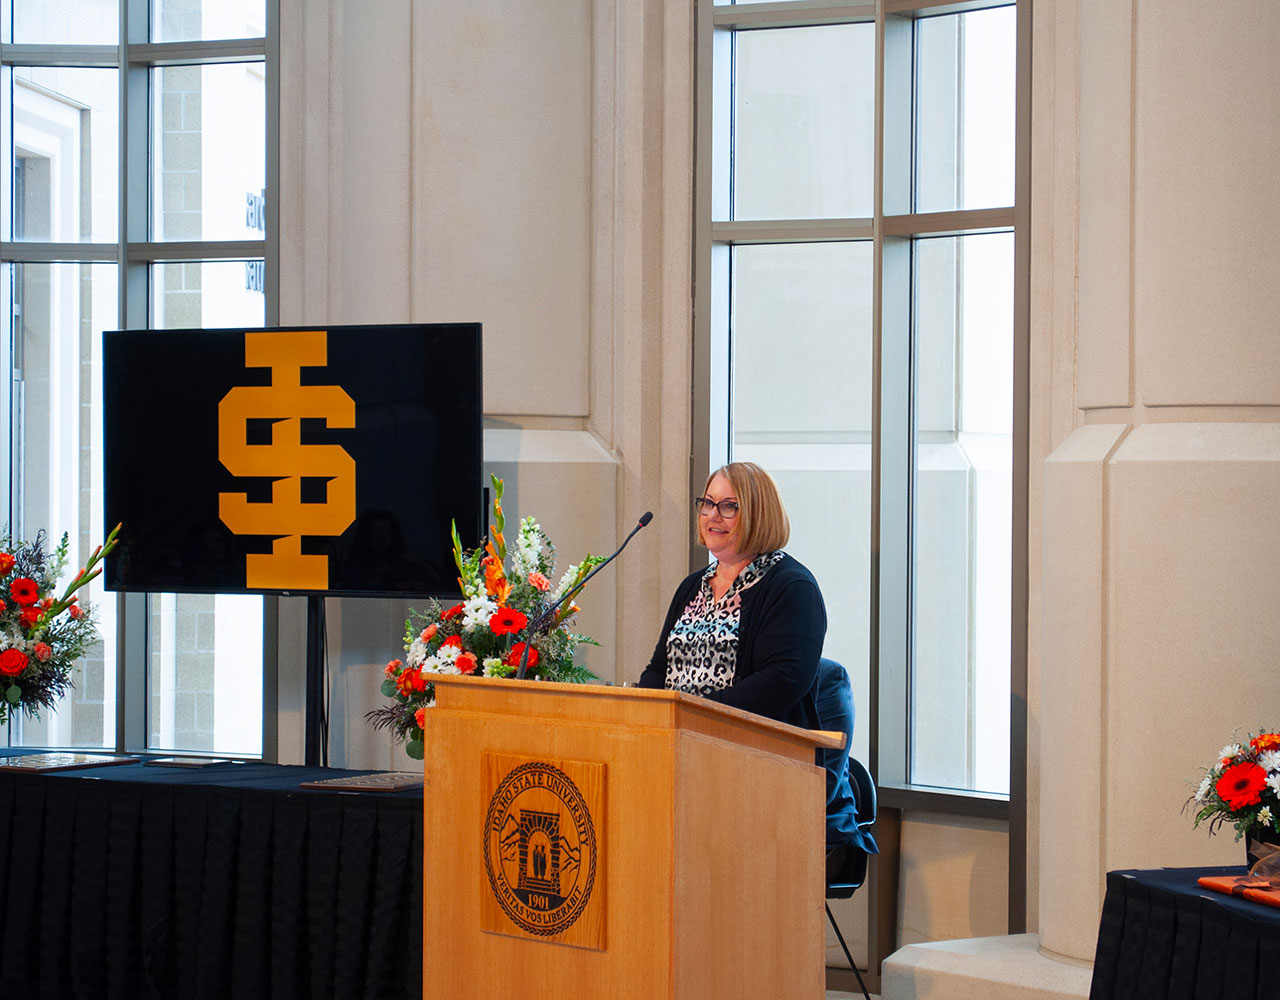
x=851 y=799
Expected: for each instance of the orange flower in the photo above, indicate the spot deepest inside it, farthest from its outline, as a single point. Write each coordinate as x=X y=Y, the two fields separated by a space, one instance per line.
x=493 y=575
x=411 y=681
x=29 y=616
x=392 y=667
x=429 y=632
x=420 y=717
x=6 y=562
x=43 y=651
x=452 y=612
x=453 y=640
x=1265 y=741
x=466 y=663
x=539 y=581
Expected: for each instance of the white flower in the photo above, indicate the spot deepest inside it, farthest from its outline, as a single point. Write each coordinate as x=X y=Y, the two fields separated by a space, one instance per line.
x=489 y=663
x=1273 y=782
x=566 y=582
x=416 y=653
x=1229 y=751
x=1269 y=761
x=477 y=611
x=524 y=558
x=1202 y=793
x=1264 y=815
x=431 y=665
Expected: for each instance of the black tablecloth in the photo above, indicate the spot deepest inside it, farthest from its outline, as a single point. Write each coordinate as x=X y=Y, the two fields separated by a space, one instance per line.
x=224 y=882
x=1162 y=935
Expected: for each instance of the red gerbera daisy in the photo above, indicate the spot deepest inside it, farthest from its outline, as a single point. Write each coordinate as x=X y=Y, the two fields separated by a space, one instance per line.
x=24 y=590
x=1241 y=785
x=506 y=620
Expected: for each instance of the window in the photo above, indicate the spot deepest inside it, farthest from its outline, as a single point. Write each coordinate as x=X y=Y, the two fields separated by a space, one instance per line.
x=137 y=198
x=856 y=330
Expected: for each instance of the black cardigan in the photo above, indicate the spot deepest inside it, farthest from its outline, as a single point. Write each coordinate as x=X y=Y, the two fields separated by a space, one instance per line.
x=780 y=633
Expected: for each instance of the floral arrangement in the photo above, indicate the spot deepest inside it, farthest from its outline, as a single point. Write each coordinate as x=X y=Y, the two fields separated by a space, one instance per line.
x=1243 y=789
x=509 y=611
x=42 y=636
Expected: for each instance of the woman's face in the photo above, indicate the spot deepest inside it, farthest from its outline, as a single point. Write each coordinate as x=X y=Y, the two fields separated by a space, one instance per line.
x=720 y=533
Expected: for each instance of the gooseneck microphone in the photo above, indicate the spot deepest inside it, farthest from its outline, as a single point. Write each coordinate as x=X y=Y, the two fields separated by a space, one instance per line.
x=538 y=623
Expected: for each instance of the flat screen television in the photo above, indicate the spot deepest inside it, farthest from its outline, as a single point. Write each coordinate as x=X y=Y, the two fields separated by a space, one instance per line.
x=292 y=460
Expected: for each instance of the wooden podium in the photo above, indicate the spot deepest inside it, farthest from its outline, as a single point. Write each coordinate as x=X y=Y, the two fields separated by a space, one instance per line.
x=599 y=842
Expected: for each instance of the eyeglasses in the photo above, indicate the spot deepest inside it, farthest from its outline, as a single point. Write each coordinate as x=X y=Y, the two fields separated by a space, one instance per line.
x=728 y=508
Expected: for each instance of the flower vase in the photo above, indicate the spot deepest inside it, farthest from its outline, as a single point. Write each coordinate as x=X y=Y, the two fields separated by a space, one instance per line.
x=1260 y=842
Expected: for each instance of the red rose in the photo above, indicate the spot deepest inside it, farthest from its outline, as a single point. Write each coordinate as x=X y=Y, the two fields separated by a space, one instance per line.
x=1241 y=785
x=517 y=651
x=6 y=563
x=29 y=616
x=453 y=612
x=506 y=620
x=43 y=652
x=466 y=663
x=24 y=590
x=12 y=662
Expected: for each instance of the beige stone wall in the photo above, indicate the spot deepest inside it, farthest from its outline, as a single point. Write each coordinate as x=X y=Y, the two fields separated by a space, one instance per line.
x=1156 y=444
x=527 y=167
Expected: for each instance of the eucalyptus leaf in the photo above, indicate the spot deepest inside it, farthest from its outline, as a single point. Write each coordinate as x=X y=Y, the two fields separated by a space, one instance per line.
x=414 y=749
x=13 y=695
x=388 y=688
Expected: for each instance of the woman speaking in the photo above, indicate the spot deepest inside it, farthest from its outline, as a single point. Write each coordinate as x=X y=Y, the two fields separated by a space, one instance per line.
x=747 y=631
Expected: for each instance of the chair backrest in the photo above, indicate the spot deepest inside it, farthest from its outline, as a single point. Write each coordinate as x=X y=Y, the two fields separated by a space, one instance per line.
x=864 y=791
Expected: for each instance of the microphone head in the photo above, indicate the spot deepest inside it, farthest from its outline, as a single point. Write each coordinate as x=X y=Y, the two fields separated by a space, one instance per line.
x=646 y=517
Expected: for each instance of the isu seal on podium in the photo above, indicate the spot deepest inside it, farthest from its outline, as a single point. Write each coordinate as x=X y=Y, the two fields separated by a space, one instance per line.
x=540 y=849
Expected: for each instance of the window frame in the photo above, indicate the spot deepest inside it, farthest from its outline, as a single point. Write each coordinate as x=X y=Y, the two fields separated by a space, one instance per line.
x=892 y=228
x=133 y=252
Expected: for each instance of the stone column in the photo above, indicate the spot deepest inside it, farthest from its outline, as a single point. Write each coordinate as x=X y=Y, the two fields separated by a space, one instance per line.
x=1158 y=425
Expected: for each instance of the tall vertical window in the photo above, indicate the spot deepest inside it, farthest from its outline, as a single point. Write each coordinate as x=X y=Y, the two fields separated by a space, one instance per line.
x=856 y=333
x=138 y=181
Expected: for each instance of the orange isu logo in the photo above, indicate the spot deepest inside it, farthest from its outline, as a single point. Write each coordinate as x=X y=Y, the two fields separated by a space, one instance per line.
x=285 y=403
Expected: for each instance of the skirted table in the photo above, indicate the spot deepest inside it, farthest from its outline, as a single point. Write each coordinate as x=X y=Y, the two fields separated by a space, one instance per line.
x=1163 y=935
x=223 y=882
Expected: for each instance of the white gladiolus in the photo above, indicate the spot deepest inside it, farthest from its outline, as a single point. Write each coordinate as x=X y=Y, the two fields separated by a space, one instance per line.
x=1202 y=793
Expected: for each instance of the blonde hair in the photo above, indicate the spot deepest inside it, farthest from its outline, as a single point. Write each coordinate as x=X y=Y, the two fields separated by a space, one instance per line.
x=762 y=520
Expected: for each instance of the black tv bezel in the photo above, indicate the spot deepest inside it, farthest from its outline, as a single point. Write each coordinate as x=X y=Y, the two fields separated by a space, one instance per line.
x=473 y=536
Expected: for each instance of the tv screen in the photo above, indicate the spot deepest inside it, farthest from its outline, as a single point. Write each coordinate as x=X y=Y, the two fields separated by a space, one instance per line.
x=295 y=460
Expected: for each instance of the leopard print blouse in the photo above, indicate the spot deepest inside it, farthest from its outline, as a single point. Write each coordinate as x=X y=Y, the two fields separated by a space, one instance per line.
x=702 y=647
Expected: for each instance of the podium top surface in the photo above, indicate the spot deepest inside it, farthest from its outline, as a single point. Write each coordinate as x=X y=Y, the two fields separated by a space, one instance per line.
x=601 y=703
